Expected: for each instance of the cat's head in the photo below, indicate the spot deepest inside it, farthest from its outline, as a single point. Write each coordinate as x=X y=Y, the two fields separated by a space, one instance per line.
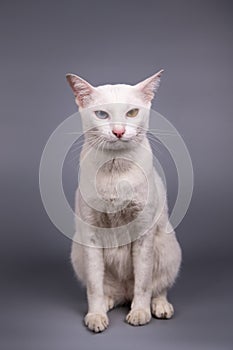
x=116 y=114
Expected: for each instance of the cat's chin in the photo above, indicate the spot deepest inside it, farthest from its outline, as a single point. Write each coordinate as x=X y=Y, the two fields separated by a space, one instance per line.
x=118 y=144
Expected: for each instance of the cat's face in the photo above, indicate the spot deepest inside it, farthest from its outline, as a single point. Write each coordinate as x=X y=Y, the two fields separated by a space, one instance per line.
x=117 y=115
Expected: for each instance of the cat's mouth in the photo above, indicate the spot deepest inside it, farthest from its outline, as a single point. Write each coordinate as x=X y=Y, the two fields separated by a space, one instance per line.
x=118 y=143
x=120 y=140
x=96 y=138
x=124 y=138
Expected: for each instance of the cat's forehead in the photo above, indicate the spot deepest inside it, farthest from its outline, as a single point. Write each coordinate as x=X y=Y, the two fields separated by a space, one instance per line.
x=118 y=93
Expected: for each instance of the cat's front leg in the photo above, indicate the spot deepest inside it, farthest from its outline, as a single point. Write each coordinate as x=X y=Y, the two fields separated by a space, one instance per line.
x=96 y=319
x=140 y=312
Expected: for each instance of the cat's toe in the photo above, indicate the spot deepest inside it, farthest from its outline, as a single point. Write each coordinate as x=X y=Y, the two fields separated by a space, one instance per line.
x=138 y=317
x=162 y=309
x=96 y=322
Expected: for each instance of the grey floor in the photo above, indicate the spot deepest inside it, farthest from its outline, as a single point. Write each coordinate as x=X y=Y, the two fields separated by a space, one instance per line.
x=43 y=308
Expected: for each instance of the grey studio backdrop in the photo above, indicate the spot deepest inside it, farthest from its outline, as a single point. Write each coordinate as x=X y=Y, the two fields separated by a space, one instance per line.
x=113 y=42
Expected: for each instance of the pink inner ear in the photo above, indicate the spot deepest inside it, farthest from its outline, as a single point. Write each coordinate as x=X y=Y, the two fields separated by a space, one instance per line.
x=148 y=92
x=83 y=93
x=150 y=86
x=81 y=89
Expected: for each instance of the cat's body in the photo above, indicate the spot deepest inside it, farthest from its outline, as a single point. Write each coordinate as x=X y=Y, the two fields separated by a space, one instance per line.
x=127 y=254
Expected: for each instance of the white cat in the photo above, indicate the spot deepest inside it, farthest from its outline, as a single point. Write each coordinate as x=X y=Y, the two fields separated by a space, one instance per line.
x=122 y=250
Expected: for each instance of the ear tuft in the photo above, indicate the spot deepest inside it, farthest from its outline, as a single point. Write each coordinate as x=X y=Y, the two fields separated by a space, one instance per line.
x=82 y=89
x=149 y=86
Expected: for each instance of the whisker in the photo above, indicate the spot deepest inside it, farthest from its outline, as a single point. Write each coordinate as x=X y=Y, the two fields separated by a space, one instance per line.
x=154 y=139
x=74 y=133
x=159 y=131
x=154 y=147
x=89 y=147
x=99 y=144
x=104 y=143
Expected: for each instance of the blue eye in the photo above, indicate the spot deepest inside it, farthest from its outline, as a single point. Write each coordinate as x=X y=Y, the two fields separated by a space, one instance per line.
x=101 y=114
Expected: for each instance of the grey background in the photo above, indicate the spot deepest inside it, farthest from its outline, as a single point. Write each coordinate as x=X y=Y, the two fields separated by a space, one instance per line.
x=114 y=41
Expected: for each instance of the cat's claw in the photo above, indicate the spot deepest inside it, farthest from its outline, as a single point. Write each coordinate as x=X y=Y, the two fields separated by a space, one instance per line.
x=96 y=322
x=162 y=308
x=138 y=317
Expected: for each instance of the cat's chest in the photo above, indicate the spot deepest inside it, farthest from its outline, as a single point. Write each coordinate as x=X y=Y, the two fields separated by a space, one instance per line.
x=120 y=182
x=118 y=261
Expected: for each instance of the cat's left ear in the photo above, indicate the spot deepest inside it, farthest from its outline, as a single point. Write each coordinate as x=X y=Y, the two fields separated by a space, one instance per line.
x=149 y=86
x=81 y=88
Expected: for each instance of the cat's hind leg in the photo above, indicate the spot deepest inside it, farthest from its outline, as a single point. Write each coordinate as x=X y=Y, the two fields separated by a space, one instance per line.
x=167 y=264
x=109 y=301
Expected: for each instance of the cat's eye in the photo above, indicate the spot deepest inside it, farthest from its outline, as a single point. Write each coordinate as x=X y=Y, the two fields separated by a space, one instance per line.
x=101 y=114
x=132 y=113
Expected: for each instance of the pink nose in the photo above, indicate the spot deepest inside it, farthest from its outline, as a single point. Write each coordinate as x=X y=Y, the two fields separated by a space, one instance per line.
x=118 y=131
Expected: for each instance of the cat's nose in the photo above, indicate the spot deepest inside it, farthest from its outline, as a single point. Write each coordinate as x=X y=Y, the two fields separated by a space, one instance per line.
x=118 y=131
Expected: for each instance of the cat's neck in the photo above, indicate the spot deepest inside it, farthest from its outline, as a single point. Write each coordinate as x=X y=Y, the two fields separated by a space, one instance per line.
x=139 y=153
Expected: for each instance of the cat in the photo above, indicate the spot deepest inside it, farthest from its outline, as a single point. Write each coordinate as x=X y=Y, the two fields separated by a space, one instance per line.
x=121 y=251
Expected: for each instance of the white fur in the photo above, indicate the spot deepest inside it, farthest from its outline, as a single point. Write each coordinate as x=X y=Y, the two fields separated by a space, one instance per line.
x=140 y=271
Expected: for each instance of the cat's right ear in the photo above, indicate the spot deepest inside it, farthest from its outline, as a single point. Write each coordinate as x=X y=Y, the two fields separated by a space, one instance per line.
x=149 y=86
x=82 y=90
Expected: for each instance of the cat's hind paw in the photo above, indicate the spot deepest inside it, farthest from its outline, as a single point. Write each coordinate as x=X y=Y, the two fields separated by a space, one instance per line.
x=138 y=317
x=161 y=308
x=96 y=322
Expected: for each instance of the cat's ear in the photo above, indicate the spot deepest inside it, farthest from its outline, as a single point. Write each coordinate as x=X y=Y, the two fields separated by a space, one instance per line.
x=82 y=89
x=149 y=86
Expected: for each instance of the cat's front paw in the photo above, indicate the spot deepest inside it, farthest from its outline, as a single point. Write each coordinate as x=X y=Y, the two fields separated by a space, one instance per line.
x=161 y=308
x=96 y=322
x=138 y=317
